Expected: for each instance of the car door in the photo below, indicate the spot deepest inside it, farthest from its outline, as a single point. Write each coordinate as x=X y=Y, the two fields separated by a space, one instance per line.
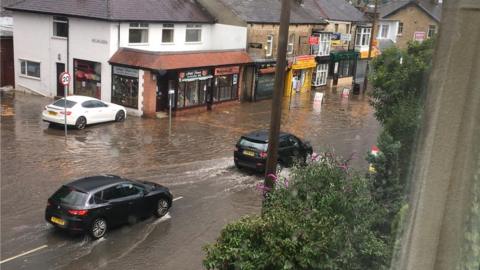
x=90 y=111
x=118 y=205
x=285 y=151
x=101 y=111
x=136 y=200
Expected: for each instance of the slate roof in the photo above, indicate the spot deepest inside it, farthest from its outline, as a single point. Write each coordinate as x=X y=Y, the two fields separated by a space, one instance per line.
x=120 y=10
x=268 y=11
x=6 y=3
x=336 y=10
x=434 y=10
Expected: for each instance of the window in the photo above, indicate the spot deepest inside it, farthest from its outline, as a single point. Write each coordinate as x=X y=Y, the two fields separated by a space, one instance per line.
x=432 y=29
x=321 y=75
x=131 y=190
x=400 y=28
x=87 y=78
x=61 y=103
x=113 y=193
x=138 y=33
x=70 y=196
x=384 y=31
x=193 y=33
x=336 y=28
x=60 y=27
x=345 y=68
x=225 y=87
x=347 y=26
x=29 y=68
x=363 y=36
x=269 y=46
x=125 y=86
x=291 y=40
x=167 y=33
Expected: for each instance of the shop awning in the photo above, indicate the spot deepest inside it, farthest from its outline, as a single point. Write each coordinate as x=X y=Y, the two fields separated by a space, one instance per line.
x=179 y=60
x=337 y=56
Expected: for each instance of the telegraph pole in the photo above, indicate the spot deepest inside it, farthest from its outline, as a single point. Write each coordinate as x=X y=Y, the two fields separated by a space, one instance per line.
x=277 y=94
x=372 y=34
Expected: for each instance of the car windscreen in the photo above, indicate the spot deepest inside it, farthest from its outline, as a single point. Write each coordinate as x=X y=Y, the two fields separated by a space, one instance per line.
x=61 y=103
x=70 y=196
x=245 y=143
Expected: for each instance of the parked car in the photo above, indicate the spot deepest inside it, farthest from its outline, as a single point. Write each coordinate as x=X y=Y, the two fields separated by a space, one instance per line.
x=251 y=150
x=95 y=204
x=82 y=110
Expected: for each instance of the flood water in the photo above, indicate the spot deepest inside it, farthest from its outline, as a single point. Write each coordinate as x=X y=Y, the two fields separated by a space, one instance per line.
x=195 y=161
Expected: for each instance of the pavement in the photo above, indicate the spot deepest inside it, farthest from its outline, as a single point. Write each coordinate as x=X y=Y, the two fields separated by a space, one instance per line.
x=195 y=162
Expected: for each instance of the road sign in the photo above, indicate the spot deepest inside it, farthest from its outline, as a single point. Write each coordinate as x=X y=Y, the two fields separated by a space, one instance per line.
x=64 y=78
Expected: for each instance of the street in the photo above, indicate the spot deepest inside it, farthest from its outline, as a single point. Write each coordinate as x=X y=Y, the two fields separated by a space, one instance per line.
x=195 y=163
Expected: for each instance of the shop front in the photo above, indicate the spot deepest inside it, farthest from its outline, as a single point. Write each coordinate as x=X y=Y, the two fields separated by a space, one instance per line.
x=343 y=65
x=192 y=89
x=226 y=83
x=299 y=76
x=87 y=78
x=264 y=81
x=320 y=74
x=125 y=86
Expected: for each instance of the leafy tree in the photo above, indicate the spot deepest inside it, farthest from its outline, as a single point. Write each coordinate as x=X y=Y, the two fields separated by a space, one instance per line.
x=325 y=219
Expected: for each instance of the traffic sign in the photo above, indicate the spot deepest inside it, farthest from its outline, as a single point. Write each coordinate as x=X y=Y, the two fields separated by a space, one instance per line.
x=64 y=78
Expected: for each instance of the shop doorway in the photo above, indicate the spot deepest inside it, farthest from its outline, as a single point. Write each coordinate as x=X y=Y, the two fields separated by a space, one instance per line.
x=60 y=87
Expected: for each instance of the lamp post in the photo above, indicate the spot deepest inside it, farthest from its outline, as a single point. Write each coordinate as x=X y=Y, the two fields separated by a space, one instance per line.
x=171 y=94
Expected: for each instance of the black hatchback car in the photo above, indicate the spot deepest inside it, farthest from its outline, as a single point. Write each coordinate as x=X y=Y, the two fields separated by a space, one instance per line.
x=95 y=204
x=251 y=150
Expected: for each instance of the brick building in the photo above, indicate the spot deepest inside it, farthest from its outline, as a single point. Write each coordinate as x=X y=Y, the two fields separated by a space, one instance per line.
x=403 y=21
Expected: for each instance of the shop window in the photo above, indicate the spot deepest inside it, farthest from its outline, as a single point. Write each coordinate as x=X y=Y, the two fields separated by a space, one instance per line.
x=321 y=75
x=60 y=27
x=30 y=68
x=225 y=87
x=87 y=78
x=363 y=36
x=269 y=46
x=193 y=33
x=400 y=29
x=125 y=87
x=167 y=33
x=191 y=93
x=432 y=29
x=291 y=40
x=138 y=33
x=345 y=68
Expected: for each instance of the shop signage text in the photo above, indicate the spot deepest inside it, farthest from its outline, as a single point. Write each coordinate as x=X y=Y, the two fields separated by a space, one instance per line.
x=346 y=37
x=419 y=36
x=304 y=62
x=191 y=75
x=124 y=71
x=227 y=70
x=100 y=41
x=313 y=40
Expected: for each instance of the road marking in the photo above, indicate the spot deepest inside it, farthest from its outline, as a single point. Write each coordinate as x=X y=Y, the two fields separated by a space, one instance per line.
x=178 y=198
x=23 y=254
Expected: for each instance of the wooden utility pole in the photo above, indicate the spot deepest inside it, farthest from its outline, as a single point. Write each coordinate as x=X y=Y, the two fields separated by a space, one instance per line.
x=279 y=84
x=372 y=37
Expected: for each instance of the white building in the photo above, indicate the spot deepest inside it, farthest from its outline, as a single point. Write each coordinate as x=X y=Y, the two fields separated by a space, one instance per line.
x=82 y=36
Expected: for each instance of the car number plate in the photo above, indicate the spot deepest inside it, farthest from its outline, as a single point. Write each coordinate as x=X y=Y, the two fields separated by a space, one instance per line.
x=249 y=153
x=57 y=221
x=52 y=113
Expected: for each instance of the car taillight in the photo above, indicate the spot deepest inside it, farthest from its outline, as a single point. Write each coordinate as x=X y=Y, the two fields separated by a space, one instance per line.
x=78 y=212
x=68 y=112
x=263 y=154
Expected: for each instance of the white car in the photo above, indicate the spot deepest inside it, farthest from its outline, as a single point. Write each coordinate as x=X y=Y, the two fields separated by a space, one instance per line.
x=82 y=111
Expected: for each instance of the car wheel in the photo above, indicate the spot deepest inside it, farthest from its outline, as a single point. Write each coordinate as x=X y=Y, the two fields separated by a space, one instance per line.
x=81 y=123
x=162 y=208
x=98 y=228
x=120 y=116
x=238 y=165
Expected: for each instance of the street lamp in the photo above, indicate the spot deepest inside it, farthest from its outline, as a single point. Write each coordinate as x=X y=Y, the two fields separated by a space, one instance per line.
x=171 y=95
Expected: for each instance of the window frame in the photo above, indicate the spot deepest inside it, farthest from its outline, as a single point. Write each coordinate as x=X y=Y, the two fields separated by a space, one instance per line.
x=269 y=46
x=431 y=28
x=400 y=29
x=384 y=29
x=193 y=27
x=290 y=44
x=26 y=75
x=361 y=33
x=59 y=20
x=171 y=27
x=140 y=26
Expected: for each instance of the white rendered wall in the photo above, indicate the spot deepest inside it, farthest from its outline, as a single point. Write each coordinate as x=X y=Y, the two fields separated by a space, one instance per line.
x=228 y=37
x=392 y=30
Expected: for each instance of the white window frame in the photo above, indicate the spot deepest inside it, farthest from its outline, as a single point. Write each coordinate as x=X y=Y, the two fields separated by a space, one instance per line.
x=58 y=20
x=321 y=74
x=324 y=44
x=138 y=26
x=400 y=29
x=196 y=27
x=269 y=46
x=26 y=69
x=363 y=32
x=431 y=27
x=291 y=41
x=383 y=33
x=168 y=26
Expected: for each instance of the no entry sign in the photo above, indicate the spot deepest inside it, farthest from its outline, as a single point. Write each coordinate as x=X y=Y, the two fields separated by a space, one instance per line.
x=64 y=78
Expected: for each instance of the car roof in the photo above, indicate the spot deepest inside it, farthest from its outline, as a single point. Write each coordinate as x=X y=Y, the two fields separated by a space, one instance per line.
x=91 y=183
x=262 y=135
x=80 y=98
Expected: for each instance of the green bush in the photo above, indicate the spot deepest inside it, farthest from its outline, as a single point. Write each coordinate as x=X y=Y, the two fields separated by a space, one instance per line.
x=325 y=219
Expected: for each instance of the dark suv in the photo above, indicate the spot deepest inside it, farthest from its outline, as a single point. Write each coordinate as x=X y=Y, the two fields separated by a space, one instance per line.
x=95 y=204
x=251 y=150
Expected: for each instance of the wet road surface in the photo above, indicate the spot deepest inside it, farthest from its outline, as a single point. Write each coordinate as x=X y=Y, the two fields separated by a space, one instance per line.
x=195 y=163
